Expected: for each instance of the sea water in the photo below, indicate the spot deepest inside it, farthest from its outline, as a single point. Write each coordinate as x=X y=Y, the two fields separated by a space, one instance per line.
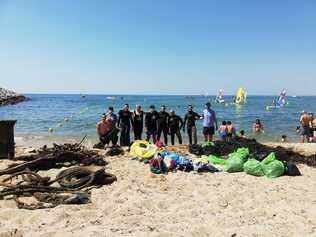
x=73 y=116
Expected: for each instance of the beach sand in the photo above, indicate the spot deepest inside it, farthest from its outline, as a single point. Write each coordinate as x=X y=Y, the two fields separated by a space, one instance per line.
x=177 y=204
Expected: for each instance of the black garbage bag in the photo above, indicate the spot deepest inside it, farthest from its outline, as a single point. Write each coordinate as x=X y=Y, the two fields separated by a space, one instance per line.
x=115 y=151
x=260 y=156
x=196 y=149
x=291 y=170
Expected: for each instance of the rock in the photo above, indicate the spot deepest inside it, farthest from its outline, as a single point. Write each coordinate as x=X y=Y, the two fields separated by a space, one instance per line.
x=8 y=97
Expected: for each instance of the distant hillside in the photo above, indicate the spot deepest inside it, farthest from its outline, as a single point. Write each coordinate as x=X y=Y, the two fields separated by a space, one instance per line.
x=8 y=97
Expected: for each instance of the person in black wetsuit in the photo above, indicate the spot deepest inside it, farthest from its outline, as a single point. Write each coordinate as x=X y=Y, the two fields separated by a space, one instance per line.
x=189 y=119
x=175 y=124
x=138 y=120
x=151 y=124
x=162 y=124
x=124 y=124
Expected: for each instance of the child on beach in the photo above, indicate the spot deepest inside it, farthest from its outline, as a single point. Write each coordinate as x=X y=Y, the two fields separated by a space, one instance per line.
x=284 y=138
x=230 y=131
x=242 y=134
x=222 y=131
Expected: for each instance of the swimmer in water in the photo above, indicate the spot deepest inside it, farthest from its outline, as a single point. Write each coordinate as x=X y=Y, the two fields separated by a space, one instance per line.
x=258 y=127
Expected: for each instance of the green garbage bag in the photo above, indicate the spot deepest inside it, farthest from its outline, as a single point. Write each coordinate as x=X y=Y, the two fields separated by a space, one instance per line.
x=271 y=157
x=216 y=160
x=244 y=152
x=272 y=168
x=235 y=163
x=253 y=167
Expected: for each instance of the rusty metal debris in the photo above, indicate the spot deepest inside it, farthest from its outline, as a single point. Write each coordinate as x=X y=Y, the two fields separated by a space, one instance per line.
x=70 y=186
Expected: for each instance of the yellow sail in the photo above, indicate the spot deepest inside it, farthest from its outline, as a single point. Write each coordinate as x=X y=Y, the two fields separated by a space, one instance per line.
x=240 y=96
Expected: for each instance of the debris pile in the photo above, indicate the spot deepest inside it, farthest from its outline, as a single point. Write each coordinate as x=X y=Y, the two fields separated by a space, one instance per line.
x=70 y=186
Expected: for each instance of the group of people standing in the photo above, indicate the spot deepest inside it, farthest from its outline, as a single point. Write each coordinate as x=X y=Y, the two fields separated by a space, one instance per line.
x=155 y=124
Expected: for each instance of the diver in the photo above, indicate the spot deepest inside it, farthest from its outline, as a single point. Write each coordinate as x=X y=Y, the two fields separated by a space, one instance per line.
x=138 y=120
x=124 y=124
x=175 y=124
x=151 y=124
x=189 y=120
x=162 y=124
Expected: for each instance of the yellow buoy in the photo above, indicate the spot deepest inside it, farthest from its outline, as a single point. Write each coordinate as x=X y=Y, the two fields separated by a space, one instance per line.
x=50 y=130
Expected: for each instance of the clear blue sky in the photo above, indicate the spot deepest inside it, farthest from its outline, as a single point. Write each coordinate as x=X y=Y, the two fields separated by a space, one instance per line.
x=158 y=46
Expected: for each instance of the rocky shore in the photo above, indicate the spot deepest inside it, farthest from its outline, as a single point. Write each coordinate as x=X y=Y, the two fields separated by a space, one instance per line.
x=8 y=97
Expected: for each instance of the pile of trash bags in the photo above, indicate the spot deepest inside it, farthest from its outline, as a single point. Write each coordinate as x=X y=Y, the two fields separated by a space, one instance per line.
x=241 y=160
x=164 y=162
x=161 y=161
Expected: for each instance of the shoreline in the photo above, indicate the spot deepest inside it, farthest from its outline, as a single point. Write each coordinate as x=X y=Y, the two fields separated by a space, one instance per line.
x=40 y=140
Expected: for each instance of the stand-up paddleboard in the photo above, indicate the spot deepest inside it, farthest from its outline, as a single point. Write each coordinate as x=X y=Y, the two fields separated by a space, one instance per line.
x=270 y=107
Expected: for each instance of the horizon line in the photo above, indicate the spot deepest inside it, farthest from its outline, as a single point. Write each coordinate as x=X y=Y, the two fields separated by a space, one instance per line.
x=146 y=94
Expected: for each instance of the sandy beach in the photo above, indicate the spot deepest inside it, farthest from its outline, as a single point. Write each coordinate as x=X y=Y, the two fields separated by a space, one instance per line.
x=177 y=204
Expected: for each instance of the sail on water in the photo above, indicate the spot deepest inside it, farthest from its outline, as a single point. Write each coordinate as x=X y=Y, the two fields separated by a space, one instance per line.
x=241 y=96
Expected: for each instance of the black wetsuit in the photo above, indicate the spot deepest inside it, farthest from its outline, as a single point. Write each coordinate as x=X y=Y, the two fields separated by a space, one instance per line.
x=124 y=123
x=162 y=126
x=138 y=120
x=151 y=125
x=189 y=119
x=175 y=123
x=110 y=136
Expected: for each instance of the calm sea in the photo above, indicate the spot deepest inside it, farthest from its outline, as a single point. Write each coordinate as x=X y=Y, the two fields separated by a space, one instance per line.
x=73 y=116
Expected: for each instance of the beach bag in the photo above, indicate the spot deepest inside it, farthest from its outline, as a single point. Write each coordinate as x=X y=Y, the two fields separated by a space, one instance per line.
x=235 y=163
x=216 y=160
x=291 y=170
x=195 y=149
x=272 y=168
x=253 y=167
